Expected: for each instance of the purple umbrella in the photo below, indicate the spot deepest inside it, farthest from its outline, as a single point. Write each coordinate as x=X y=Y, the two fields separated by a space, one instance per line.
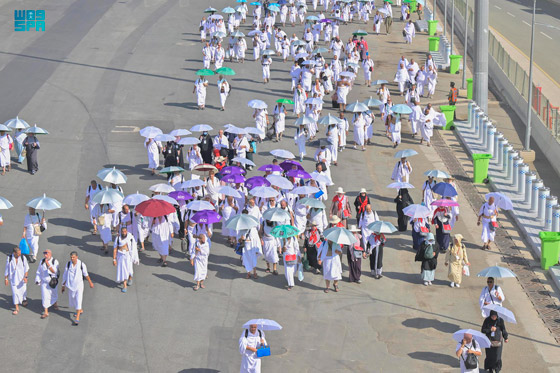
x=233 y=170
x=234 y=178
x=445 y=203
x=325 y=20
x=288 y=164
x=206 y=217
x=256 y=181
x=270 y=168
x=299 y=174
x=179 y=195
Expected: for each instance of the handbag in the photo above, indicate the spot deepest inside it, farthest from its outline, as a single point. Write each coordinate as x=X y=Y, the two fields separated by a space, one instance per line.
x=263 y=351
x=358 y=252
x=404 y=33
x=492 y=227
x=446 y=228
x=37 y=229
x=496 y=340
x=346 y=213
x=101 y=220
x=290 y=259
x=466 y=271
x=494 y=224
x=53 y=283
x=471 y=362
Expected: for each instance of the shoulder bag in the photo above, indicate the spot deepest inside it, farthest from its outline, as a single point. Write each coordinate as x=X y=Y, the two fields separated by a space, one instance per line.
x=471 y=362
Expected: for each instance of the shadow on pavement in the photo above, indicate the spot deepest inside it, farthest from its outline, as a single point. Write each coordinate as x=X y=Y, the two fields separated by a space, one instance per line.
x=175 y=280
x=424 y=323
x=199 y=370
x=435 y=357
x=412 y=278
x=72 y=223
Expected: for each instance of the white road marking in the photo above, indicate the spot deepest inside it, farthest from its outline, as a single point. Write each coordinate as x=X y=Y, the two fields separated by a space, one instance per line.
x=546 y=35
x=497 y=7
x=527 y=23
x=511 y=14
x=123 y=129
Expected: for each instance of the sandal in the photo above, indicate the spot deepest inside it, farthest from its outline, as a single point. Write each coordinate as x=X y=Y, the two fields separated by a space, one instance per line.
x=326 y=290
x=335 y=288
x=201 y=286
x=255 y=276
x=267 y=270
x=164 y=264
x=248 y=275
x=24 y=303
x=44 y=316
x=275 y=272
x=15 y=312
x=195 y=288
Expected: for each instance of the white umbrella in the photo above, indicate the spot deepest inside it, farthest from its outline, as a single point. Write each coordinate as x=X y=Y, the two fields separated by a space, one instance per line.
x=188 y=141
x=243 y=161
x=4 y=128
x=405 y=153
x=193 y=183
x=400 y=185
x=167 y=199
x=320 y=178
x=339 y=235
x=357 y=107
x=254 y=131
x=229 y=191
x=236 y=130
x=481 y=339
x=305 y=190
x=313 y=101
x=44 y=203
x=108 y=196
x=281 y=153
x=199 y=205
x=135 y=199
x=201 y=128
x=382 y=227
x=36 y=130
x=500 y=200
x=112 y=175
x=180 y=132
x=257 y=104
x=162 y=188
x=242 y=222
x=503 y=312
x=254 y=32
x=437 y=174
x=264 y=192
x=304 y=119
x=5 y=204
x=417 y=211
x=150 y=132
x=164 y=137
x=263 y=324
x=16 y=123
x=280 y=182
x=276 y=214
x=496 y=272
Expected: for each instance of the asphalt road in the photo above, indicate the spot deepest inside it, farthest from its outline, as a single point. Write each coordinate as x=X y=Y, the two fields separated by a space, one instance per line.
x=102 y=70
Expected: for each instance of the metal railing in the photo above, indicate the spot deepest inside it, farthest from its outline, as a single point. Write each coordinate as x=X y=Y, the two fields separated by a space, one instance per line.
x=547 y=112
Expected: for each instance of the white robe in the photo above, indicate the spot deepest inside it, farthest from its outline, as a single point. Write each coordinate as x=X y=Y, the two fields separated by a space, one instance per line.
x=292 y=248
x=332 y=267
x=125 y=257
x=487 y=233
x=270 y=245
x=74 y=282
x=200 y=91
x=359 y=130
x=161 y=235
x=401 y=172
x=251 y=250
x=153 y=154
x=30 y=236
x=15 y=272
x=300 y=138
x=490 y=296
x=201 y=261
x=49 y=296
x=5 y=142
x=366 y=220
x=428 y=125
x=250 y=363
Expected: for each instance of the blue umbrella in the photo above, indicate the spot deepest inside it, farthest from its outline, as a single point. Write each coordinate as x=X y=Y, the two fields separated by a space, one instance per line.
x=256 y=3
x=401 y=109
x=372 y=102
x=496 y=272
x=135 y=199
x=445 y=190
x=357 y=107
x=405 y=153
x=45 y=203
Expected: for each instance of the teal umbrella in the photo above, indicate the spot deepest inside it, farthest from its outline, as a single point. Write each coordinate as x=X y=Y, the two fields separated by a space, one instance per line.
x=320 y=50
x=328 y=120
x=339 y=235
x=360 y=33
x=382 y=227
x=210 y=10
x=108 y=196
x=284 y=231
x=372 y=102
x=45 y=203
x=237 y=34
x=228 y=10
x=242 y=222
x=401 y=109
x=36 y=130
x=312 y=202
x=225 y=71
x=112 y=175
x=204 y=72
x=171 y=169
x=304 y=119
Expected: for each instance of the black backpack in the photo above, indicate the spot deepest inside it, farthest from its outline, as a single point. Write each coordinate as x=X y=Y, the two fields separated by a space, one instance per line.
x=471 y=362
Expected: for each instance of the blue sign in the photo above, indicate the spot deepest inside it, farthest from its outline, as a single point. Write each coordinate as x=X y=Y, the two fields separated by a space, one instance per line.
x=25 y=20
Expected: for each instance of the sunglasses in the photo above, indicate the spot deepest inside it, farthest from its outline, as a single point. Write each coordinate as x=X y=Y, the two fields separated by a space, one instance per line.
x=45 y=252
x=489 y=282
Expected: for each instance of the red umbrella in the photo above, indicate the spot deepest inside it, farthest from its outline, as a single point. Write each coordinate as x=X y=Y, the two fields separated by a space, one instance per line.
x=204 y=167
x=155 y=208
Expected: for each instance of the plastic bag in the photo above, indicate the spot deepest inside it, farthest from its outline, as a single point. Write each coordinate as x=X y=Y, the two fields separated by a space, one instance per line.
x=466 y=271
x=300 y=272
x=24 y=247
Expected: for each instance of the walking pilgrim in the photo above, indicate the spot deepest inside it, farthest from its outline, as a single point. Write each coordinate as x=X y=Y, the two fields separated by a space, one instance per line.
x=75 y=272
x=401 y=171
x=200 y=261
x=15 y=275
x=125 y=254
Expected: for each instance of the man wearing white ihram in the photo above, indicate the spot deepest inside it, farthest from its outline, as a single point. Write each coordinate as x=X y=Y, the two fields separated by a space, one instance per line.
x=125 y=253
x=46 y=272
x=33 y=226
x=251 y=339
x=16 y=276
x=153 y=154
x=73 y=279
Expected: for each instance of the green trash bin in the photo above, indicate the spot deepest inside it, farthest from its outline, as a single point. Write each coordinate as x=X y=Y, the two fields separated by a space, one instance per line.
x=434 y=43
x=469 y=88
x=412 y=5
x=448 y=111
x=550 y=248
x=454 y=62
x=480 y=167
x=432 y=27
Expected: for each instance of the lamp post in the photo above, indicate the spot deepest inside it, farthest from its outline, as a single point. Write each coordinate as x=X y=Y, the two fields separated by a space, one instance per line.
x=444 y=17
x=452 y=23
x=464 y=83
x=527 y=145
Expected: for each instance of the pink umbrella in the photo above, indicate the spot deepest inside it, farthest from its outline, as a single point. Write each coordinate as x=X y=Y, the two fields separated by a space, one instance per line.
x=445 y=203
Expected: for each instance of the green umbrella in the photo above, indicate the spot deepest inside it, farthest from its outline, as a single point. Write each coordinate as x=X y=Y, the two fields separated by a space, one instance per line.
x=242 y=222
x=225 y=71
x=312 y=202
x=285 y=101
x=360 y=33
x=388 y=1
x=284 y=231
x=171 y=169
x=210 y=10
x=204 y=72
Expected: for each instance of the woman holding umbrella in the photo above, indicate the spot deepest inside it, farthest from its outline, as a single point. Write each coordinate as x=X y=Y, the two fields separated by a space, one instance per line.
x=31 y=144
x=456 y=257
x=495 y=329
x=329 y=257
x=403 y=199
x=488 y=214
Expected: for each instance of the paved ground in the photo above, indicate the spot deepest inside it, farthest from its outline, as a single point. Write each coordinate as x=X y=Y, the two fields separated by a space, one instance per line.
x=132 y=64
